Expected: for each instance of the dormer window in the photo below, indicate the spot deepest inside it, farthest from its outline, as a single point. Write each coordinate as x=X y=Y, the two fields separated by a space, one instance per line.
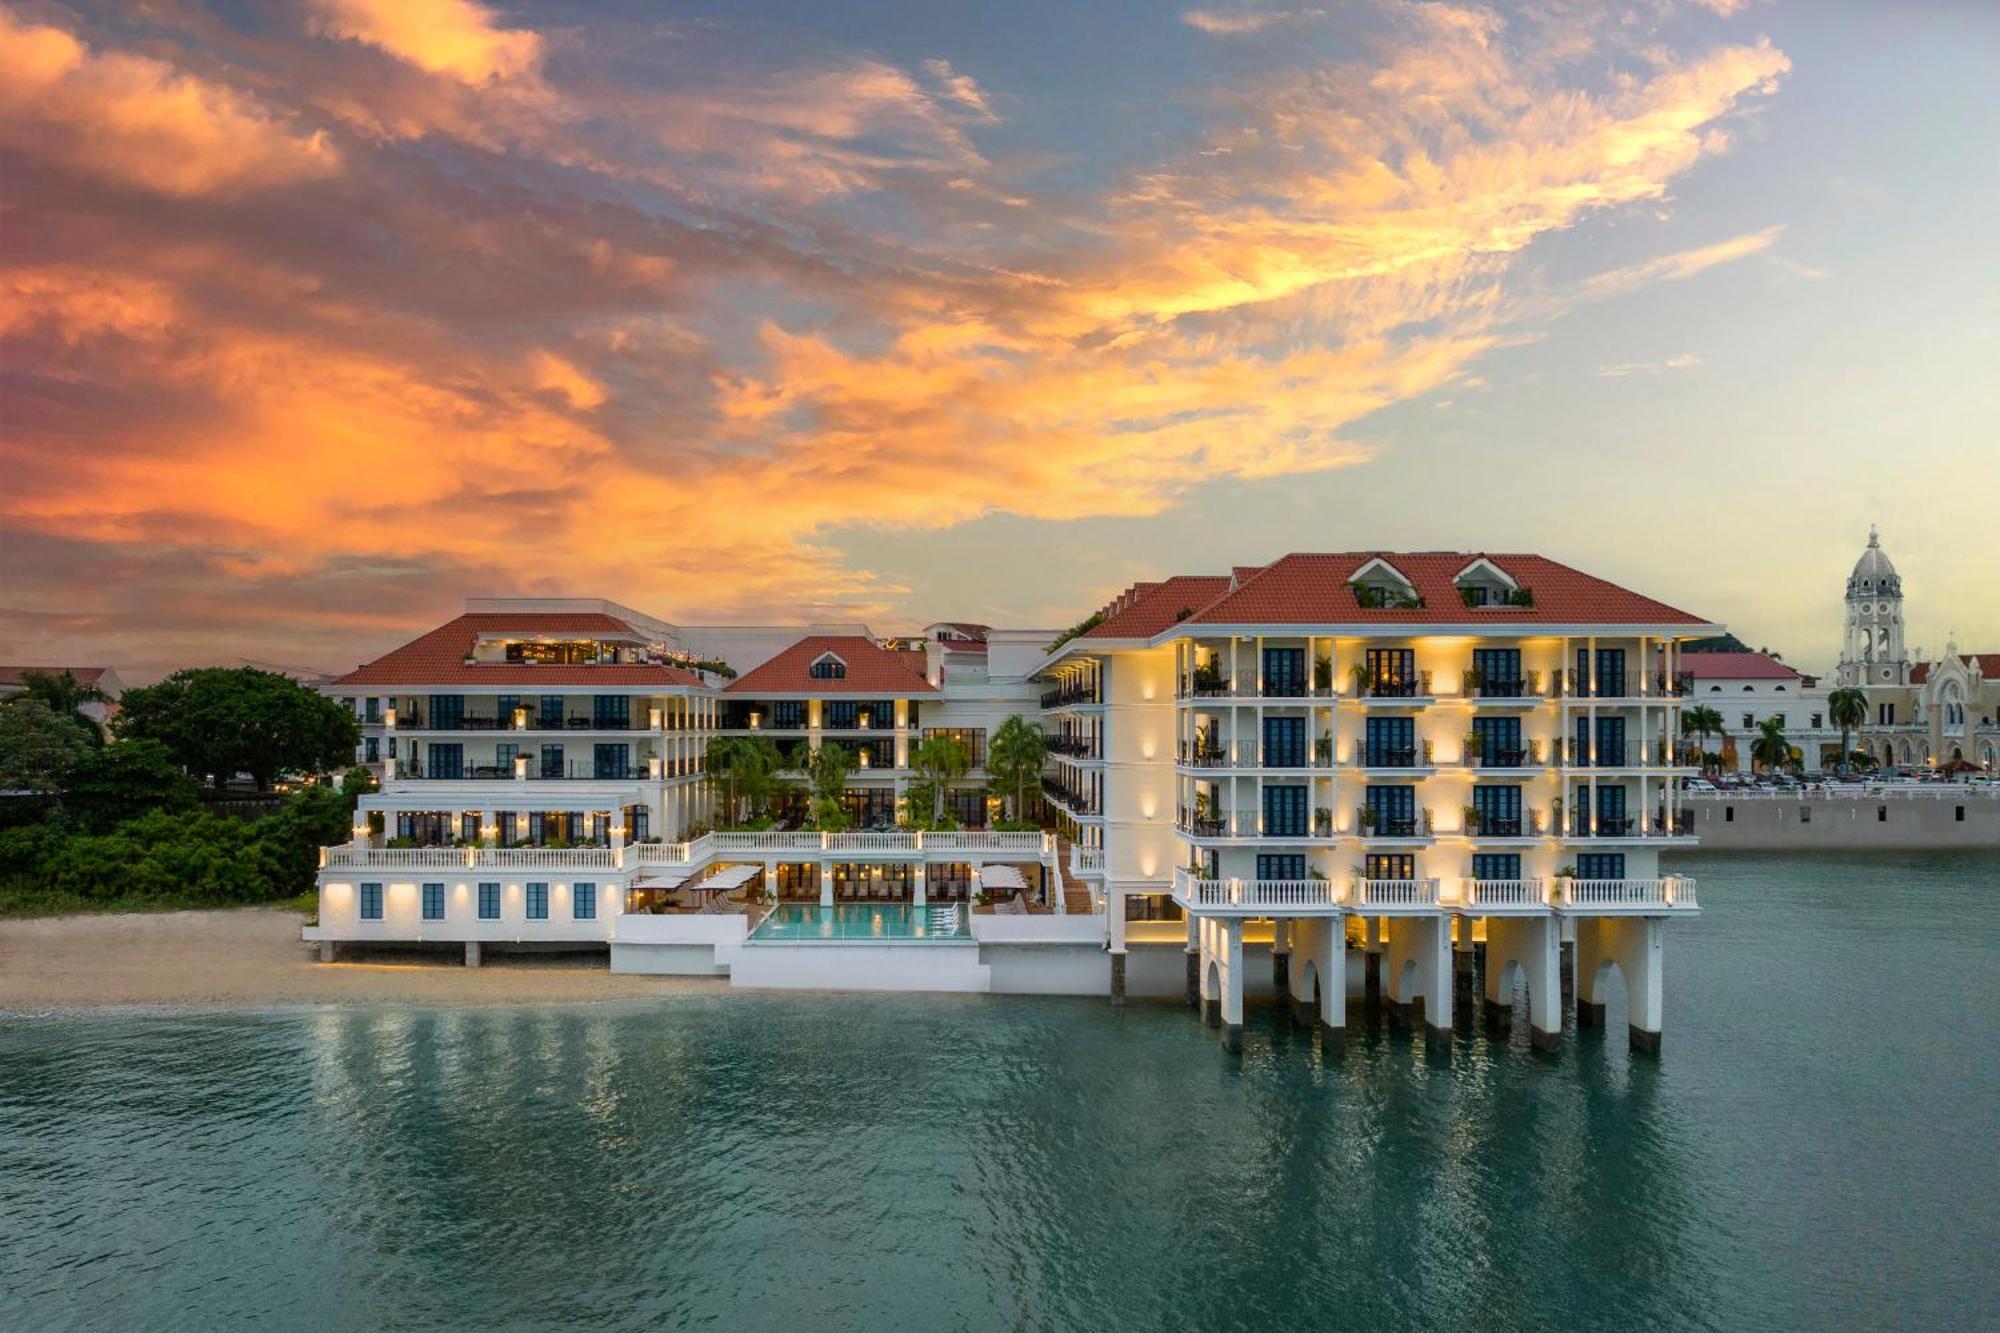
x=1483 y=583
x=827 y=666
x=1379 y=585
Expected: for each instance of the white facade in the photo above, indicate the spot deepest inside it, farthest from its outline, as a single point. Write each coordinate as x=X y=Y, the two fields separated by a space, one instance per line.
x=1409 y=791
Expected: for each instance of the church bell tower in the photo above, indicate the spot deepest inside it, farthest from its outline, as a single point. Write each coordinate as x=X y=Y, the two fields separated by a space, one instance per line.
x=1872 y=652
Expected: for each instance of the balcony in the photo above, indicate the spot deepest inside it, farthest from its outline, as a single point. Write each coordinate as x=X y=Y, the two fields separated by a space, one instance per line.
x=1254 y=897
x=1374 y=825
x=1505 y=896
x=581 y=771
x=1525 y=690
x=1634 y=685
x=1625 y=897
x=1632 y=755
x=414 y=720
x=1077 y=803
x=1392 y=896
x=1523 y=756
x=1483 y=826
x=1393 y=756
x=1070 y=696
x=1086 y=861
x=1074 y=747
x=1581 y=825
x=1413 y=689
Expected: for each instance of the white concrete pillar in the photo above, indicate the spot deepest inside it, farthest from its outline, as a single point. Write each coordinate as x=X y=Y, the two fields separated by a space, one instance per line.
x=472 y=953
x=1589 y=959
x=1540 y=959
x=826 y=884
x=1232 y=982
x=917 y=896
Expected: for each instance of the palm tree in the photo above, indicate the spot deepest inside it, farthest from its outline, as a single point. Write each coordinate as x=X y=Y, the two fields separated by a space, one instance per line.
x=827 y=783
x=758 y=771
x=940 y=761
x=1771 y=748
x=1015 y=757
x=1849 y=709
x=1701 y=722
x=725 y=761
x=65 y=696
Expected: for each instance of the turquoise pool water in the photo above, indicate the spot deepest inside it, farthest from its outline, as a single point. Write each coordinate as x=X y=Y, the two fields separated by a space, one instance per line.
x=807 y=923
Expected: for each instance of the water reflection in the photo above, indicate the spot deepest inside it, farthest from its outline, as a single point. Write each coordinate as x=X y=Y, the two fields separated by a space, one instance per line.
x=888 y=1162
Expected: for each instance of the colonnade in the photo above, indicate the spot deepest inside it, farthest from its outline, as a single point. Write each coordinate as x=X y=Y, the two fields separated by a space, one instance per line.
x=1421 y=968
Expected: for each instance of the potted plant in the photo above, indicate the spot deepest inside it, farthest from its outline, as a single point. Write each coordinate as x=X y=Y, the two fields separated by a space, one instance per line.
x=1359 y=672
x=1474 y=817
x=1323 y=822
x=1366 y=818
x=1475 y=744
x=1323 y=673
x=1323 y=749
x=1474 y=678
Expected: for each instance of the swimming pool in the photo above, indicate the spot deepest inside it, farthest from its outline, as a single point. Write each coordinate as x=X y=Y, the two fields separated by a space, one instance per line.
x=809 y=923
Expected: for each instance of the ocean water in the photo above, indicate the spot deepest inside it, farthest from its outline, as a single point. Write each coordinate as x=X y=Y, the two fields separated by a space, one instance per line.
x=1818 y=1148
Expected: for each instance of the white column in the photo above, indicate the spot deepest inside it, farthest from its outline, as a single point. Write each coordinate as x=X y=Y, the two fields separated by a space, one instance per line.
x=1232 y=982
x=825 y=883
x=1540 y=959
x=917 y=885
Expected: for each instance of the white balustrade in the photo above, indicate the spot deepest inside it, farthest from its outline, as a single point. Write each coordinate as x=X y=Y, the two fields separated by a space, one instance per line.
x=1505 y=893
x=1395 y=893
x=1669 y=891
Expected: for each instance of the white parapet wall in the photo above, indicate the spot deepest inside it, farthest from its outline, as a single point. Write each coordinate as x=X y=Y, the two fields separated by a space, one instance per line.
x=684 y=944
x=1891 y=819
x=905 y=965
x=1044 y=955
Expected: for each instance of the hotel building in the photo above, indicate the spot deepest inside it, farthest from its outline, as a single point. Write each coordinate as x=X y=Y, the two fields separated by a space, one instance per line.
x=1368 y=769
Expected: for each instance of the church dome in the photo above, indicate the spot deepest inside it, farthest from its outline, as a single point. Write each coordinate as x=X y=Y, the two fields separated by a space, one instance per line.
x=1873 y=575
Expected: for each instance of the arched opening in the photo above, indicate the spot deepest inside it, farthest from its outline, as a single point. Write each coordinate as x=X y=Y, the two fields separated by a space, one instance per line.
x=1214 y=980
x=1309 y=985
x=1888 y=755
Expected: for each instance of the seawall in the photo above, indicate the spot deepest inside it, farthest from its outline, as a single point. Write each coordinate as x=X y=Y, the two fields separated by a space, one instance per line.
x=1937 y=818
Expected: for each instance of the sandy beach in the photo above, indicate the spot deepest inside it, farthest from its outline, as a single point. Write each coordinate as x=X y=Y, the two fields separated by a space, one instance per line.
x=253 y=956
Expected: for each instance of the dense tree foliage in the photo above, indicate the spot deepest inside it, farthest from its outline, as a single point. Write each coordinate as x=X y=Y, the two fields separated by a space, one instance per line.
x=38 y=748
x=1015 y=758
x=217 y=722
x=64 y=696
x=124 y=781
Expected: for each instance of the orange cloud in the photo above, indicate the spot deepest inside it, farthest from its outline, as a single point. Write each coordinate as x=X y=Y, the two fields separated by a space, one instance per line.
x=674 y=338
x=135 y=120
x=455 y=38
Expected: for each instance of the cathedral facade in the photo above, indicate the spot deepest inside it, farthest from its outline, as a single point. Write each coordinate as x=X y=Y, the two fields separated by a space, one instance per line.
x=1922 y=714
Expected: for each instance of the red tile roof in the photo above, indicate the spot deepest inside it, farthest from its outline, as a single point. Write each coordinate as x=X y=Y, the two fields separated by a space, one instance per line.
x=1988 y=663
x=1312 y=589
x=1144 y=609
x=438 y=658
x=871 y=669
x=1735 y=666
x=11 y=675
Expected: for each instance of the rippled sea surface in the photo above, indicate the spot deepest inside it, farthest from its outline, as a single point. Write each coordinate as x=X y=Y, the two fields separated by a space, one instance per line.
x=1818 y=1148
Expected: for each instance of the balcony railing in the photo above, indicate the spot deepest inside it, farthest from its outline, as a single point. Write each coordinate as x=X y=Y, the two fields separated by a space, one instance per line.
x=1368 y=893
x=1506 y=893
x=1374 y=825
x=1393 y=756
x=415 y=720
x=1635 y=895
x=1069 y=695
x=1384 y=687
x=1486 y=826
x=538 y=772
x=1198 y=892
x=1076 y=802
x=1086 y=860
x=1519 y=757
x=1074 y=747
x=1569 y=683
x=1527 y=687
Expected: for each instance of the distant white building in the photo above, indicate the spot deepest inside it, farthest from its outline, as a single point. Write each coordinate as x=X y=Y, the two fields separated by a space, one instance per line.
x=1750 y=689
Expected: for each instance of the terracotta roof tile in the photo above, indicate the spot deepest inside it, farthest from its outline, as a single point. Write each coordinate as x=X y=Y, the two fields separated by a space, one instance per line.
x=1312 y=589
x=11 y=675
x=1145 y=609
x=871 y=669
x=1735 y=666
x=1988 y=663
x=438 y=658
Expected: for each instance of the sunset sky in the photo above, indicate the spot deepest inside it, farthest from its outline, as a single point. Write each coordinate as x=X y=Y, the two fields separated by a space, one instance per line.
x=317 y=316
